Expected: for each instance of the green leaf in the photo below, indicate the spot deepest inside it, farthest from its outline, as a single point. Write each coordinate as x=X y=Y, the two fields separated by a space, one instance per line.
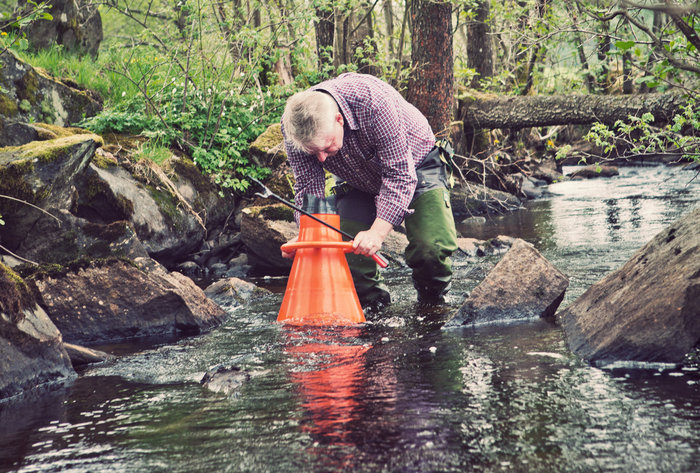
x=47 y=16
x=23 y=44
x=624 y=45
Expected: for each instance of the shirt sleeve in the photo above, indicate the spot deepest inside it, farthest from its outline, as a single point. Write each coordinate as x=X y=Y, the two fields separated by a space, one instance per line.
x=398 y=171
x=308 y=174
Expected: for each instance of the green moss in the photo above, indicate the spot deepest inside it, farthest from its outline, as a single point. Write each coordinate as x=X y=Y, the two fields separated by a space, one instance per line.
x=15 y=295
x=8 y=107
x=187 y=169
x=168 y=205
x=25 y=106
x=269 y=139
x=272 y=212
x=104 y=161
x=63 y=131
x=37 y=273
x=48 y=151
x=281 y=212
x=14 y=184
x=48 y=114
x=28 y=87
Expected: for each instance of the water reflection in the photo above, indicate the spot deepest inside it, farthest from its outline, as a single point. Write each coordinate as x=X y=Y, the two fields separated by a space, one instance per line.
x=328 y=370
x=597 y=212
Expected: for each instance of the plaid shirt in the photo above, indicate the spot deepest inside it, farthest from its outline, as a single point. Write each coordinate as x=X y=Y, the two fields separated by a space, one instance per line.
x=385 y=138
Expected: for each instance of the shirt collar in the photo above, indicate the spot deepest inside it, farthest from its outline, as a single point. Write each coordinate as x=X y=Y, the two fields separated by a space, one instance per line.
x=349 y=117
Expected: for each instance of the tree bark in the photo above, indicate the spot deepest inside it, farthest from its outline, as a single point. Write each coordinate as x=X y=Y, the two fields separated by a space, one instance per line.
x=488 y=111
x=479 y=45
x=325 y=31
x=431 y=86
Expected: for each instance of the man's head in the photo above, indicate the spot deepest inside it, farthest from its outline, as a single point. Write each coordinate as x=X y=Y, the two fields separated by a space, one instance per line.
x=314 y=124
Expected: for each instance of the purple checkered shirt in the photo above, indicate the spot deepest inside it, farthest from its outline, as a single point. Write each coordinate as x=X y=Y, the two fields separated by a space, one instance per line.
x=385 y=138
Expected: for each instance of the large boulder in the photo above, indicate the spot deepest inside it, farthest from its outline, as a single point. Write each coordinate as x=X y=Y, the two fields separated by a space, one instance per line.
x=28 y=94
x=649 y=309
x=76 y=25
x=31 y=347
x=522 y=286
x=41 y=173
x=103 y=206
x=171 y=207
x=263 y=230
x=105 y=301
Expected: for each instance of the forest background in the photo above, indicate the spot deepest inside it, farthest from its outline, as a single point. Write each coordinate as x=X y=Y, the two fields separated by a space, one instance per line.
x=205 y=78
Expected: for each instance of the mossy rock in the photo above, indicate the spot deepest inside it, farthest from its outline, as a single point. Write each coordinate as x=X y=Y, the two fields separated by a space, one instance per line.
x=271 y=212
x=15 y=295
x=268 y=149
x=8 y=106
x=48 y=151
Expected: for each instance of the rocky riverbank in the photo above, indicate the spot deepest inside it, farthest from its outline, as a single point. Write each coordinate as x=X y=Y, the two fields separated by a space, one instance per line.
x=98 y=246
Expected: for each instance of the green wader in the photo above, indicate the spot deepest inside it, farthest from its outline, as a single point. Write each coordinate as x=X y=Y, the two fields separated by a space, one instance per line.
x=430 y=231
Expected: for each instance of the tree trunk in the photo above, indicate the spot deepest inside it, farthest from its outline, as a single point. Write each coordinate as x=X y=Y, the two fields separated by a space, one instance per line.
x=604 y=44
x=431 y=86
x=479 y=45
x=590 y=78
x=354 y=39
x=389 y=20
x=325 y=31
x=488 y=111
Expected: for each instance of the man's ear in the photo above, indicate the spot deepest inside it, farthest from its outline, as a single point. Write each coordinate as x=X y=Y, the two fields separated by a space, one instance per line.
x=339 y=118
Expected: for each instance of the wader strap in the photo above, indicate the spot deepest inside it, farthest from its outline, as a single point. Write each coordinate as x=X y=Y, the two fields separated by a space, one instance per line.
x=446 y=156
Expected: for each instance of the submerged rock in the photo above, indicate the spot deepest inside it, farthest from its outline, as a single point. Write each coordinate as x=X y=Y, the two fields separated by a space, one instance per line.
x=31 y=347
x=522 y=286
x=225 y=379
x=116 y=300
x=231 y=292
x=588 y=172
x=80 y=356
x=649 y=309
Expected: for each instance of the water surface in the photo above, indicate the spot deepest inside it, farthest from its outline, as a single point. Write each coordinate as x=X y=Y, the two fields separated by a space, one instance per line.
x=396 y=394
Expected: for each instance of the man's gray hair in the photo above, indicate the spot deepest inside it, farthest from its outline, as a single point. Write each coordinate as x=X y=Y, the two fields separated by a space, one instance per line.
x=306 y=115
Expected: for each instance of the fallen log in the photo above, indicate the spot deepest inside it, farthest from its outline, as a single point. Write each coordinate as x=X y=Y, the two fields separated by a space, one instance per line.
x=486 y=111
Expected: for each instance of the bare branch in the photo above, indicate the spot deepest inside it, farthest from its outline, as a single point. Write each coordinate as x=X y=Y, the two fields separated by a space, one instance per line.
x=31 y=205
x=18 y=256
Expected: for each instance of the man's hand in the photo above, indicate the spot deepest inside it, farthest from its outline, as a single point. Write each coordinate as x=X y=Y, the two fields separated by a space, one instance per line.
x=290 y=255
x=370 y=241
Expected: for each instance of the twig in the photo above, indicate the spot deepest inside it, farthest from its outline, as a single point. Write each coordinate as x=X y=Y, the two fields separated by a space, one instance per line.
x=18 y=256
x=31 y=205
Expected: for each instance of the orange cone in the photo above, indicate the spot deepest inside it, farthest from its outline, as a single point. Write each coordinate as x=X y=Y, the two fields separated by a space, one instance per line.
x=320 y=290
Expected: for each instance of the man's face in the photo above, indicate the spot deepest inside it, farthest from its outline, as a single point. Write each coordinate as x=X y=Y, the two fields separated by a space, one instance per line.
x=330 y=141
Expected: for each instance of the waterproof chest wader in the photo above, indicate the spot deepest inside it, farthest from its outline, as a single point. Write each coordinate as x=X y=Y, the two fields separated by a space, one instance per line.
x=430 y=231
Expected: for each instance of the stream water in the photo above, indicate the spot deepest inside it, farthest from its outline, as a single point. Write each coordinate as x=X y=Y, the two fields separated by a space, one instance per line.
x=396 y=394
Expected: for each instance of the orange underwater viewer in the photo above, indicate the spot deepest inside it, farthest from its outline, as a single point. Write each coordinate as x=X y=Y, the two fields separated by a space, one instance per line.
x=320 y=290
